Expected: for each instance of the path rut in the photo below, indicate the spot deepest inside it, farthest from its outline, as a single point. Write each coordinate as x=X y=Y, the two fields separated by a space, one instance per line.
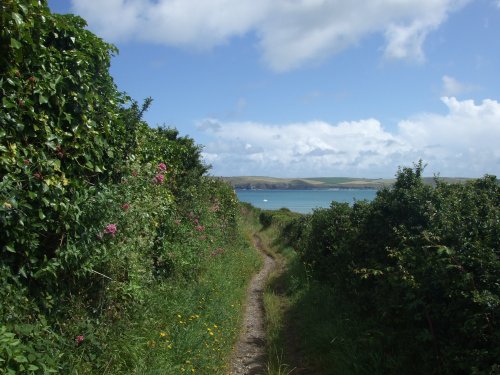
x=250 y=357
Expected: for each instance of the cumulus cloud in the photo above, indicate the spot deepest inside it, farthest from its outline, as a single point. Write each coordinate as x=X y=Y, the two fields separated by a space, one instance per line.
x=463 y=142
x=209 y=124
x=290 y=32
x=299 y=149
x=453 y=87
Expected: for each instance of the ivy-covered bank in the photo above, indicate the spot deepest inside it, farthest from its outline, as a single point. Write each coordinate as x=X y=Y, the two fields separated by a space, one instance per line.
x=115 y=244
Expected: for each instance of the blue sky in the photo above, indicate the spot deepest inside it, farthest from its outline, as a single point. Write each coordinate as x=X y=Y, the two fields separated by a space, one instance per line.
x=303 y=88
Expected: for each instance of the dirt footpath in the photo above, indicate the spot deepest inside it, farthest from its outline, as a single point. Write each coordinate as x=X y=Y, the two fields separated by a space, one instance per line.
x=250 y=357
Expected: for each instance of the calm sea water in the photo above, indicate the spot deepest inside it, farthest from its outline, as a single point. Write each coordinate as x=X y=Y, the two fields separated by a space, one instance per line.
x=303 y=201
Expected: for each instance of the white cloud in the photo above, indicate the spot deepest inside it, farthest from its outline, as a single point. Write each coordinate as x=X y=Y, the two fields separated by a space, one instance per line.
x=463 y=142
x=209 y=124
x=291 y=33
x=313 y=148
x=453 y=87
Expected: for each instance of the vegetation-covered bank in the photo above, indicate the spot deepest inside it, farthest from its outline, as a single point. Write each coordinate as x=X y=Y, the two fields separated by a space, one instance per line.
x=407 y=283
x=118 y=253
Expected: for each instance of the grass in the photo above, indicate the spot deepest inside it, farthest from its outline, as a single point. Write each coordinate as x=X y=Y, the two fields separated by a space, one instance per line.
x=183 y=326
x=273 y=303
x=304 y=312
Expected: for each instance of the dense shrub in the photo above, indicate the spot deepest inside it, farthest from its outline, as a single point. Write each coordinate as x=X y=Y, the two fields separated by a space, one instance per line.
x=58 y=113
x=422 y=265
x=95 y=206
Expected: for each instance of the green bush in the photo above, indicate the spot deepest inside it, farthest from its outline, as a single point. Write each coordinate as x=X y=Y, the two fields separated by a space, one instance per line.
x=422 y=265
x=96 y=208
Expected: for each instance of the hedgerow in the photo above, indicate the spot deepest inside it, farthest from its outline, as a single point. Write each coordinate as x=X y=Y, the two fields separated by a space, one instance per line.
x=96 y=207
x=420 y=266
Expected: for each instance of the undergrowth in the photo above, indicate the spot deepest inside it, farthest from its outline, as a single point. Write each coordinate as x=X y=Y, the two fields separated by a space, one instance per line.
x=184 y=327
x=119 y=254
x=307 y=328
x=406 y=283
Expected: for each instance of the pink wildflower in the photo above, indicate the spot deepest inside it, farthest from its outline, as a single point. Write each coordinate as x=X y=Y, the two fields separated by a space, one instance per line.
x=26 y=161
x=125 y=206
x=135 y=173
x=162 y=167
x=110 y=229
x=178 y=222
x=200 y=228
x=158 y=179
x=79 y=339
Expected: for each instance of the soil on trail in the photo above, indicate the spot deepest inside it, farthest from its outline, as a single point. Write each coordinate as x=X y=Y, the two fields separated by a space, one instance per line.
x=250 y=357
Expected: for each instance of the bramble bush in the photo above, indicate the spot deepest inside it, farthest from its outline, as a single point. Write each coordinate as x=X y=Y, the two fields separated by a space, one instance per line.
x=96 y=207
x=420 y=265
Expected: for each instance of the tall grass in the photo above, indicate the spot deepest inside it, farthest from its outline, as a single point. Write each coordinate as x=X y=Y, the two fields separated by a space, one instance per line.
x=183 y=326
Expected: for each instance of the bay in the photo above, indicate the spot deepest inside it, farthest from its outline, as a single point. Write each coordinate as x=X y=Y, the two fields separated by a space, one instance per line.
x=303 y=201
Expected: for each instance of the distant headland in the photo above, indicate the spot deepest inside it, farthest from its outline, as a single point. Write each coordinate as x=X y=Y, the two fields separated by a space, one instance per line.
x=261 y=182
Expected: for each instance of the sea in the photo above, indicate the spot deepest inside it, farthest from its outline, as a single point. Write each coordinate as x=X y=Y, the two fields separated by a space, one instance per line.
x=303 y=201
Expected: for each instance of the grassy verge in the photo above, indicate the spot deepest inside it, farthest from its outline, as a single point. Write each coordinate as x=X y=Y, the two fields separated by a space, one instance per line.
x=306 y=326
x=183 y=326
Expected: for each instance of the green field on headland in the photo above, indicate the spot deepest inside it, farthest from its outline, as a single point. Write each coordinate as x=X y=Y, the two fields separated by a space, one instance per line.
x=261 y=182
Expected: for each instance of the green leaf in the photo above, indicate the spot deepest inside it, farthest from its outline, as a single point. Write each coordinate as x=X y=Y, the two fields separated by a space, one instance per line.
x=15 y=43
x=10 y=248
x=57 y=165
x=50 y=145
x=23 y=8
x=43 y=99
x=41 y=215
x=20 y=359
x=445 y=250
x=17 y=18
x=22 y=272
x=33 y=368
x=7 y=103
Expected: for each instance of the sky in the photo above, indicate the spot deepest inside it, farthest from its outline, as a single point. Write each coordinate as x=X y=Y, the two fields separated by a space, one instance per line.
x=309 y=88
